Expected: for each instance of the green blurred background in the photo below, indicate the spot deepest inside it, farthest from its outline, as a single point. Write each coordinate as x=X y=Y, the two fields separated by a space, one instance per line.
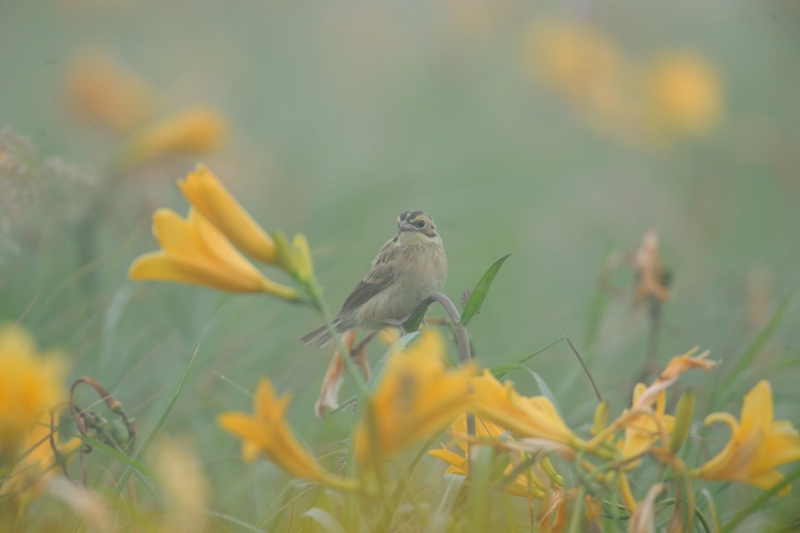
x=344 y=114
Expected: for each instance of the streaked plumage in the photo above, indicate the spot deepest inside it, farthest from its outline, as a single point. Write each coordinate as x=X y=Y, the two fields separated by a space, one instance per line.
x=409 y=267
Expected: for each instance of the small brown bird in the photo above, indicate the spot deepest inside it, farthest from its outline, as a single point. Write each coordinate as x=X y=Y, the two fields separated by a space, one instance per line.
x=409 y=267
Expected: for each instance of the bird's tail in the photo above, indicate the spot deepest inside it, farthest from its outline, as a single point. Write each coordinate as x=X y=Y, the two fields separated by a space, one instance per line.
x=319 y=337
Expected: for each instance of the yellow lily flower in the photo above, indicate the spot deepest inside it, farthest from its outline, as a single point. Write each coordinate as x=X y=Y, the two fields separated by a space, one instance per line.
x=267 y=432
x=194 y=251
x=416 y=395
x=758 y=444
x=643 y=430
x=205 y=192
x=30 y=383
x=526 y=484
x=525 y=417
x=197 y=130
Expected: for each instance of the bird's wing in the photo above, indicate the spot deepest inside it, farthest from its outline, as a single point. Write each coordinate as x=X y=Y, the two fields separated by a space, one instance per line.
x=381 y=276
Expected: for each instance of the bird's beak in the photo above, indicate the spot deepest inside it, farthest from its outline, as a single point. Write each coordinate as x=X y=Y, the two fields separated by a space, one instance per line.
x=405 y=226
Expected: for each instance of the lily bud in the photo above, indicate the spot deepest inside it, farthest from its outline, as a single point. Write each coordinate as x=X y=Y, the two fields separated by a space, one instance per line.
x=683 y=420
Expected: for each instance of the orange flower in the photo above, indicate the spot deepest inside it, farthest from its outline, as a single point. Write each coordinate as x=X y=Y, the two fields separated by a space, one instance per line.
x=194 y=251
x=416 y=395
x=525 y=417
x=101 y=89
x=757 y=446
x=30 y=383
x=267 y=432
x=196 y=130
x=210 y=197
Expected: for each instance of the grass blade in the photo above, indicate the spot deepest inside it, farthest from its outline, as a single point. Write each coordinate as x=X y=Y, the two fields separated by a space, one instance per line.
x=129 y=470
x=501 y=371
x=326 y=521
x=759 y=342
x=394 y=501
x=233 y=520
x=758 y=502
x=477 y=297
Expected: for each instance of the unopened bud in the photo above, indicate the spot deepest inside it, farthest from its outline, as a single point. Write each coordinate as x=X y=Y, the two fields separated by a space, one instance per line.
x=548 y=469
x=600 y=418
x=683 y=420
x=119 y=432
x=116 y=407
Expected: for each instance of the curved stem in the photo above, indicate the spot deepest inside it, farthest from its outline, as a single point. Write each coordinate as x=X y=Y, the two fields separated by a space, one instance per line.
x=464 y=351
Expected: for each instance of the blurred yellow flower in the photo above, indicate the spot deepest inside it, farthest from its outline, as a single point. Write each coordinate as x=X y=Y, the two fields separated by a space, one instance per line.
x=685 y=93
x=416 y=395
x=102 y=90
x=267 y=432
x=525 y=417
x=757 y=446
x=186 y=487
x=210 y=197
x=645 y=428
x=194 y=251
x=197 y=130
x=526 y=484
x=585 y=67
x=30 y=383
x=28 y=477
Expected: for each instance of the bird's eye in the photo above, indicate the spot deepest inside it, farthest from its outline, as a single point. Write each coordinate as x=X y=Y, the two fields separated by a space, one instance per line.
x=420 y=224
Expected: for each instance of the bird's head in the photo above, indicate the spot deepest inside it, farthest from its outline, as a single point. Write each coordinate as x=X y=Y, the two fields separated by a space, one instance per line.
x=416 y=227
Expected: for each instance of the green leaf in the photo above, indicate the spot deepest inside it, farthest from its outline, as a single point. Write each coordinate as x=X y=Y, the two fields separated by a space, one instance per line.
x=480 y=475
x=546 y=392
x=325 y=519
x=477 y=297
x=759 y=342
x=412 y=324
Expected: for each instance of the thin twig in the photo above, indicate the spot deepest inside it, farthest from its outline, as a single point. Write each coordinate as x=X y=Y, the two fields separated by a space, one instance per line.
x=585 y=369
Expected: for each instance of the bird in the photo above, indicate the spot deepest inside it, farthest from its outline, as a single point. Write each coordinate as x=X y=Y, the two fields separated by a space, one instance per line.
x=409 y=267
